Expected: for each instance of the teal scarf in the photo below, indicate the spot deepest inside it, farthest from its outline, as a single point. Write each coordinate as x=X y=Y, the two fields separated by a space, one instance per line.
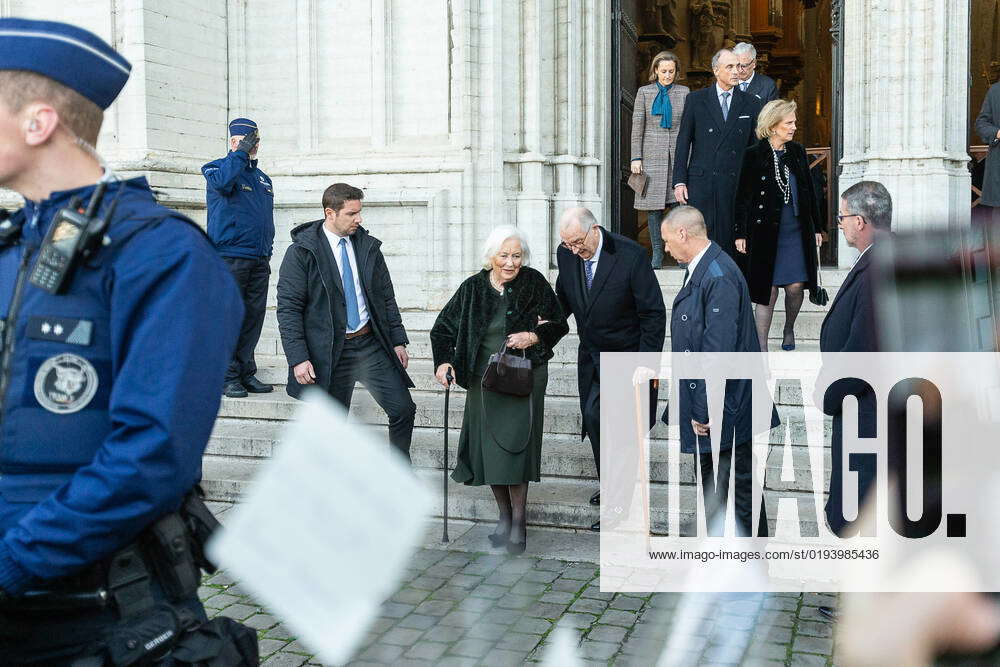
x=662 y=107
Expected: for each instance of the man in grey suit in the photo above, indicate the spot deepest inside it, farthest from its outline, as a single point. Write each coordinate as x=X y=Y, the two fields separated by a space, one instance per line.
x=988 y=129
x=760 y=86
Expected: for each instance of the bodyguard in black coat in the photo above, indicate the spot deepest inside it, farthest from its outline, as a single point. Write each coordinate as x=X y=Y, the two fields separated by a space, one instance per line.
x=314 y=313
x=621 y=311
x=849 y=326
x=710 y=150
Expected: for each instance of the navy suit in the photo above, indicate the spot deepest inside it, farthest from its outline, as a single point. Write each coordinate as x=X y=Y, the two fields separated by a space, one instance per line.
x=763 y=88
x=710 y=154
x=849 y=326
x=622 y=311
x=713 y=313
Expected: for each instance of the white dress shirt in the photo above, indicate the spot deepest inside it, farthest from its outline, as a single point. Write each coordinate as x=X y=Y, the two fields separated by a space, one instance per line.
x=860 y=255
x=744 y=85
x=597 y=253
x=334 y=241
x=693 y=264
x=718 y=94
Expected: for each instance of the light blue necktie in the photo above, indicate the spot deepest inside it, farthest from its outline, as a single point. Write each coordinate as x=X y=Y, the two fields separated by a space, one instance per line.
x=347 y=277
x=744 y=86
x=588 y=266
x=725 y=105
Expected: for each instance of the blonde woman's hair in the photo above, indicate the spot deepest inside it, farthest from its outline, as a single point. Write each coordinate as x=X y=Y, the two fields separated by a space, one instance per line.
x=659 y=58
x=772 y=114
x=496 y=239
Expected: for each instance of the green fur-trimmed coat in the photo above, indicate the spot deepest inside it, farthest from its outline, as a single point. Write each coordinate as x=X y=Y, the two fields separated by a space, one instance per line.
x=459 y=328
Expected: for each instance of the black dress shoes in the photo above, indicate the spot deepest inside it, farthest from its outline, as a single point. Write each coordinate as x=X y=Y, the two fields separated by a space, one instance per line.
x=596 y=498
x=829 y=612
x=255 y=386
x=596 y=526
x=234 y=390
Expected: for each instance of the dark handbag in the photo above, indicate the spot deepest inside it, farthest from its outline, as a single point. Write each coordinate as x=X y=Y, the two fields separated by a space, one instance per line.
x=508 y=374
x=818 y=295
x=638 y=183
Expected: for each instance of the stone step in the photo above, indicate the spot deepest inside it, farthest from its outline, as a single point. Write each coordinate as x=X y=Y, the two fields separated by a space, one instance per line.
x=807 y=328
x=557 y=502
x=562 y=455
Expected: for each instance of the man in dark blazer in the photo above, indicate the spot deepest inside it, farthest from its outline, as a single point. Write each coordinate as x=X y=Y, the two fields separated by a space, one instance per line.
x=713 y=313
x=759 y=85
x=606 y=282
x=716 y=128
x=988 y=129
x=849 y=326
x=338 y=317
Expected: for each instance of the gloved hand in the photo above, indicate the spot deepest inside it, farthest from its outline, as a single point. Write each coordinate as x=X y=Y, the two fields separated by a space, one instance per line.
x=249 y=142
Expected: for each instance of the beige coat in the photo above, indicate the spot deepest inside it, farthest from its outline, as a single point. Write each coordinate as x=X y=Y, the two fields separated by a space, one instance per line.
x=655 y=145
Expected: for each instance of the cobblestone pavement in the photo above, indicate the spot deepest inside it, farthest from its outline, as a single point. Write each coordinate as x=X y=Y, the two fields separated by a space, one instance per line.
x=457 y=608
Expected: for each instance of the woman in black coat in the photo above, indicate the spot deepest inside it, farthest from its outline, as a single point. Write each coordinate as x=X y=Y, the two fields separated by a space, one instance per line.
x=778 y=222
x=506 y=304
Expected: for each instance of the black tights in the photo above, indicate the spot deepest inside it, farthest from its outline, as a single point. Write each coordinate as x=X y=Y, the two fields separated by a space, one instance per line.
x=763 y=314
x=512 y=501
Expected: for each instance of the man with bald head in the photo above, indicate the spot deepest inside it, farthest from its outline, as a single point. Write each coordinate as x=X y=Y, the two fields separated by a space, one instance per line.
x=713 y=313
x=606 y=282
x=716 y=128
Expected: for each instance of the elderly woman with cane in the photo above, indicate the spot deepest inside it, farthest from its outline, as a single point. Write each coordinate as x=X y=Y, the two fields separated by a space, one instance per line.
x=505 y=306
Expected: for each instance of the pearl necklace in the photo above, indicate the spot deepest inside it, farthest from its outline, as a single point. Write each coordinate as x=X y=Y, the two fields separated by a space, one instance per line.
x=497 y=286
x=786 y=191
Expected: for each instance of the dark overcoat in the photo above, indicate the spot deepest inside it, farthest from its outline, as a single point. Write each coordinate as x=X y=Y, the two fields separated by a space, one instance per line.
x=987 y=126
x=758 y=214
x=763 y=88
x=622 y=311
x=312 y=312
x=461 y=324
x=712 y=313
x=849 y=326
x=710 y=154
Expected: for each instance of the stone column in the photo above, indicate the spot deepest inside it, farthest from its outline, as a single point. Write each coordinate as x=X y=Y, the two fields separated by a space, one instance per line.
x=905 y=91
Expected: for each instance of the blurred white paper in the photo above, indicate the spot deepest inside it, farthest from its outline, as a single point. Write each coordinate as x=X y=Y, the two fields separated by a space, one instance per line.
x=326 y=530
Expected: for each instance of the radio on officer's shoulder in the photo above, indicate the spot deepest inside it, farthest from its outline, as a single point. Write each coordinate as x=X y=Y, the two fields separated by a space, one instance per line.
x=74 y=235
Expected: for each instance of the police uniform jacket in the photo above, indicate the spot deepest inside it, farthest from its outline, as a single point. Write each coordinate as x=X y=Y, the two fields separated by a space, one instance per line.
x=312 y=311
x=713 y=313
x=109 y=391
x=709 y=156
x=240 y=200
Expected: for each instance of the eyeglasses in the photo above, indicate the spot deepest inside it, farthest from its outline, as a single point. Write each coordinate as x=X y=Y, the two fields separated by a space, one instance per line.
x=747 y=65
x=840 y=218
x=576 y=245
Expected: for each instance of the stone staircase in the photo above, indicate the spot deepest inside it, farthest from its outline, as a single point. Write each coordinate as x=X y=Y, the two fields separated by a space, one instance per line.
x=248 y=430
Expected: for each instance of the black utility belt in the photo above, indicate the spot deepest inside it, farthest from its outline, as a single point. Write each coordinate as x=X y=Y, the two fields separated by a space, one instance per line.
x=168 y=553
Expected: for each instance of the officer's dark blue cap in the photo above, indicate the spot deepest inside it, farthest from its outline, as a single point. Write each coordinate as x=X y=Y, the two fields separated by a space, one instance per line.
x=241 y=126
x=76 y=58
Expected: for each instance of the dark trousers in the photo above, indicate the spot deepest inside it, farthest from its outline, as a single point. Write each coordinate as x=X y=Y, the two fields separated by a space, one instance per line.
x=252 y=276
x=590 y=407
x=743 y=483
x=364 y=360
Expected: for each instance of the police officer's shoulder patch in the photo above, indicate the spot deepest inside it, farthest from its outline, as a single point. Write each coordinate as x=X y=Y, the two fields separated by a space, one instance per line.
x=65 y=383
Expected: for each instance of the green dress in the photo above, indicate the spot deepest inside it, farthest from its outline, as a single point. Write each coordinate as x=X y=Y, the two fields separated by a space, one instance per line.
x=481 y=460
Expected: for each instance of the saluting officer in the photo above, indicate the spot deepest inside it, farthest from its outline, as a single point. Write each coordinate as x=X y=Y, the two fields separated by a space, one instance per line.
x=114 y=346
x=241 y=225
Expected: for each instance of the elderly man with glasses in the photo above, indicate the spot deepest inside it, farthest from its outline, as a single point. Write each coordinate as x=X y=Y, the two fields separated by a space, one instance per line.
x=760 y=86
x=606 y=282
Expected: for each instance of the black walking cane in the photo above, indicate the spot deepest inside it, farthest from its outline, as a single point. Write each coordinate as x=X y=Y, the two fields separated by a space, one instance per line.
x=444 y=472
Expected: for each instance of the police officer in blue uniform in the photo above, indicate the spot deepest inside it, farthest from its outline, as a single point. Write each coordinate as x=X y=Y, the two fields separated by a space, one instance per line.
x=118 y=320
x=241 y=225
